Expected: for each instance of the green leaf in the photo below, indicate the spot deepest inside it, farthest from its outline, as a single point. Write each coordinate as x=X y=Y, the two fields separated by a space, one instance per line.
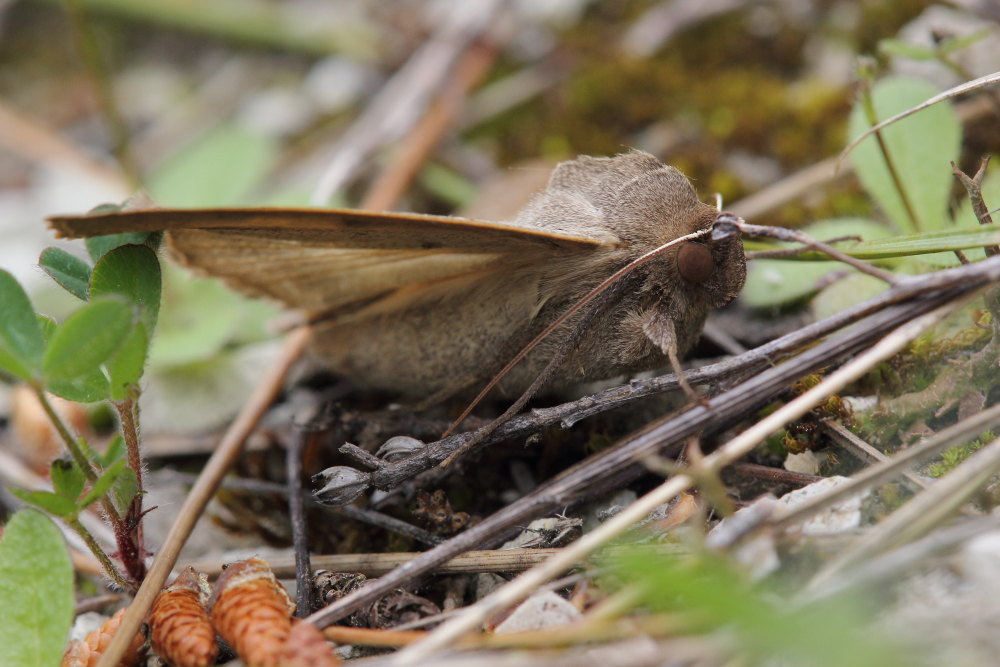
x=125 y=367
x=124 y=489
x=828 y=633
x=36 y=592
x=99 y=246
x=773 y=282
x=11 y=365
x=125 y=484
x=21 y=344
x=447 y=184
x=88 y=388
x=46 y=500
x=920 y=148
x=114 y=450
x=103 y=483
x=87 y=339
x=959 y=42
x=46 y=325
x=842 y=294
x=221 y=167
x=202 y=317
x=133 y=272
x=72 y=273
x=67 y=478
x=897 y=47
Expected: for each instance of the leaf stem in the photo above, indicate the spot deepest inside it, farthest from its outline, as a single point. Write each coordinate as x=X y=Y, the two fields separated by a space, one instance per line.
x=71 y=444
x=98 y=552
x=81 y=459
x=128 y=418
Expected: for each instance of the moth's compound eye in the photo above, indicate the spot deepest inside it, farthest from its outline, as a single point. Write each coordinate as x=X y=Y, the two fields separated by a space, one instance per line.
x=694 y=262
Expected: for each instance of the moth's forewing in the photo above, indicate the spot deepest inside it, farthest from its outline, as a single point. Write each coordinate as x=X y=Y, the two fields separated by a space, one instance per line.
x=345 y=228
x=325 y=261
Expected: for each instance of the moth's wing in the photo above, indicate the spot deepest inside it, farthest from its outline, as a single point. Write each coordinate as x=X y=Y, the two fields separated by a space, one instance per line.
x=334 y=262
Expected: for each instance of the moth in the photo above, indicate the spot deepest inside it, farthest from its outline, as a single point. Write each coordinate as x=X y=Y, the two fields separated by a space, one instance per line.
x=432 y=305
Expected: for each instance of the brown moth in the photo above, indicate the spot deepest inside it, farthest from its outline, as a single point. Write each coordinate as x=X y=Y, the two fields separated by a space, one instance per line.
x=433 y=305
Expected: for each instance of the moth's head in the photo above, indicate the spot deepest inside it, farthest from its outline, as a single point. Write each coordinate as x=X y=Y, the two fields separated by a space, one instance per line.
x=708 y=270
x=647 y=204
x=715 y=264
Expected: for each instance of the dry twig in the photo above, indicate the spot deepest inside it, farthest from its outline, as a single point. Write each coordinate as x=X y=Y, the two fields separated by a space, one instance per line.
x=961 y=89
x=379 y=564
x=297 y=517
x=731 y=451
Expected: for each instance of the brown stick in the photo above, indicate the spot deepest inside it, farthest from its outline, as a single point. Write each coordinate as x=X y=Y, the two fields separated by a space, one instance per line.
x=414 y=150
x=865 y=452
x=974 y=186
x=297 y=519
x=586 y=630
x=379 y=564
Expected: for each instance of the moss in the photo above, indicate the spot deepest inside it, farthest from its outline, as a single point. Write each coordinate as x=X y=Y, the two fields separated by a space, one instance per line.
x=951 y=458
x=719 y=86
x=917 y=367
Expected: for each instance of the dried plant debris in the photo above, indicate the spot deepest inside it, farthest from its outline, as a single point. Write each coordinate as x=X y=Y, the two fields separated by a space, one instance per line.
x=328 y=587
x=87 y=651
x=395 y=608
x=180 y=630
x=252 y=612
x=434 y=510
x=555 y=531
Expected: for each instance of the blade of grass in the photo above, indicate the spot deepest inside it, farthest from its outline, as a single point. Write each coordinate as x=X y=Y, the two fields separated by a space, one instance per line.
x=943 y=240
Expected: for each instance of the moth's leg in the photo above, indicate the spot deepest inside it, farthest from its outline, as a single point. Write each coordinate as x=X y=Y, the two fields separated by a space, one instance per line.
x=659 y=328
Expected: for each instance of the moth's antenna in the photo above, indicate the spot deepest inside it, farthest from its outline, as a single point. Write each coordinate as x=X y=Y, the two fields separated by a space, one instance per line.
x=625 y=270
